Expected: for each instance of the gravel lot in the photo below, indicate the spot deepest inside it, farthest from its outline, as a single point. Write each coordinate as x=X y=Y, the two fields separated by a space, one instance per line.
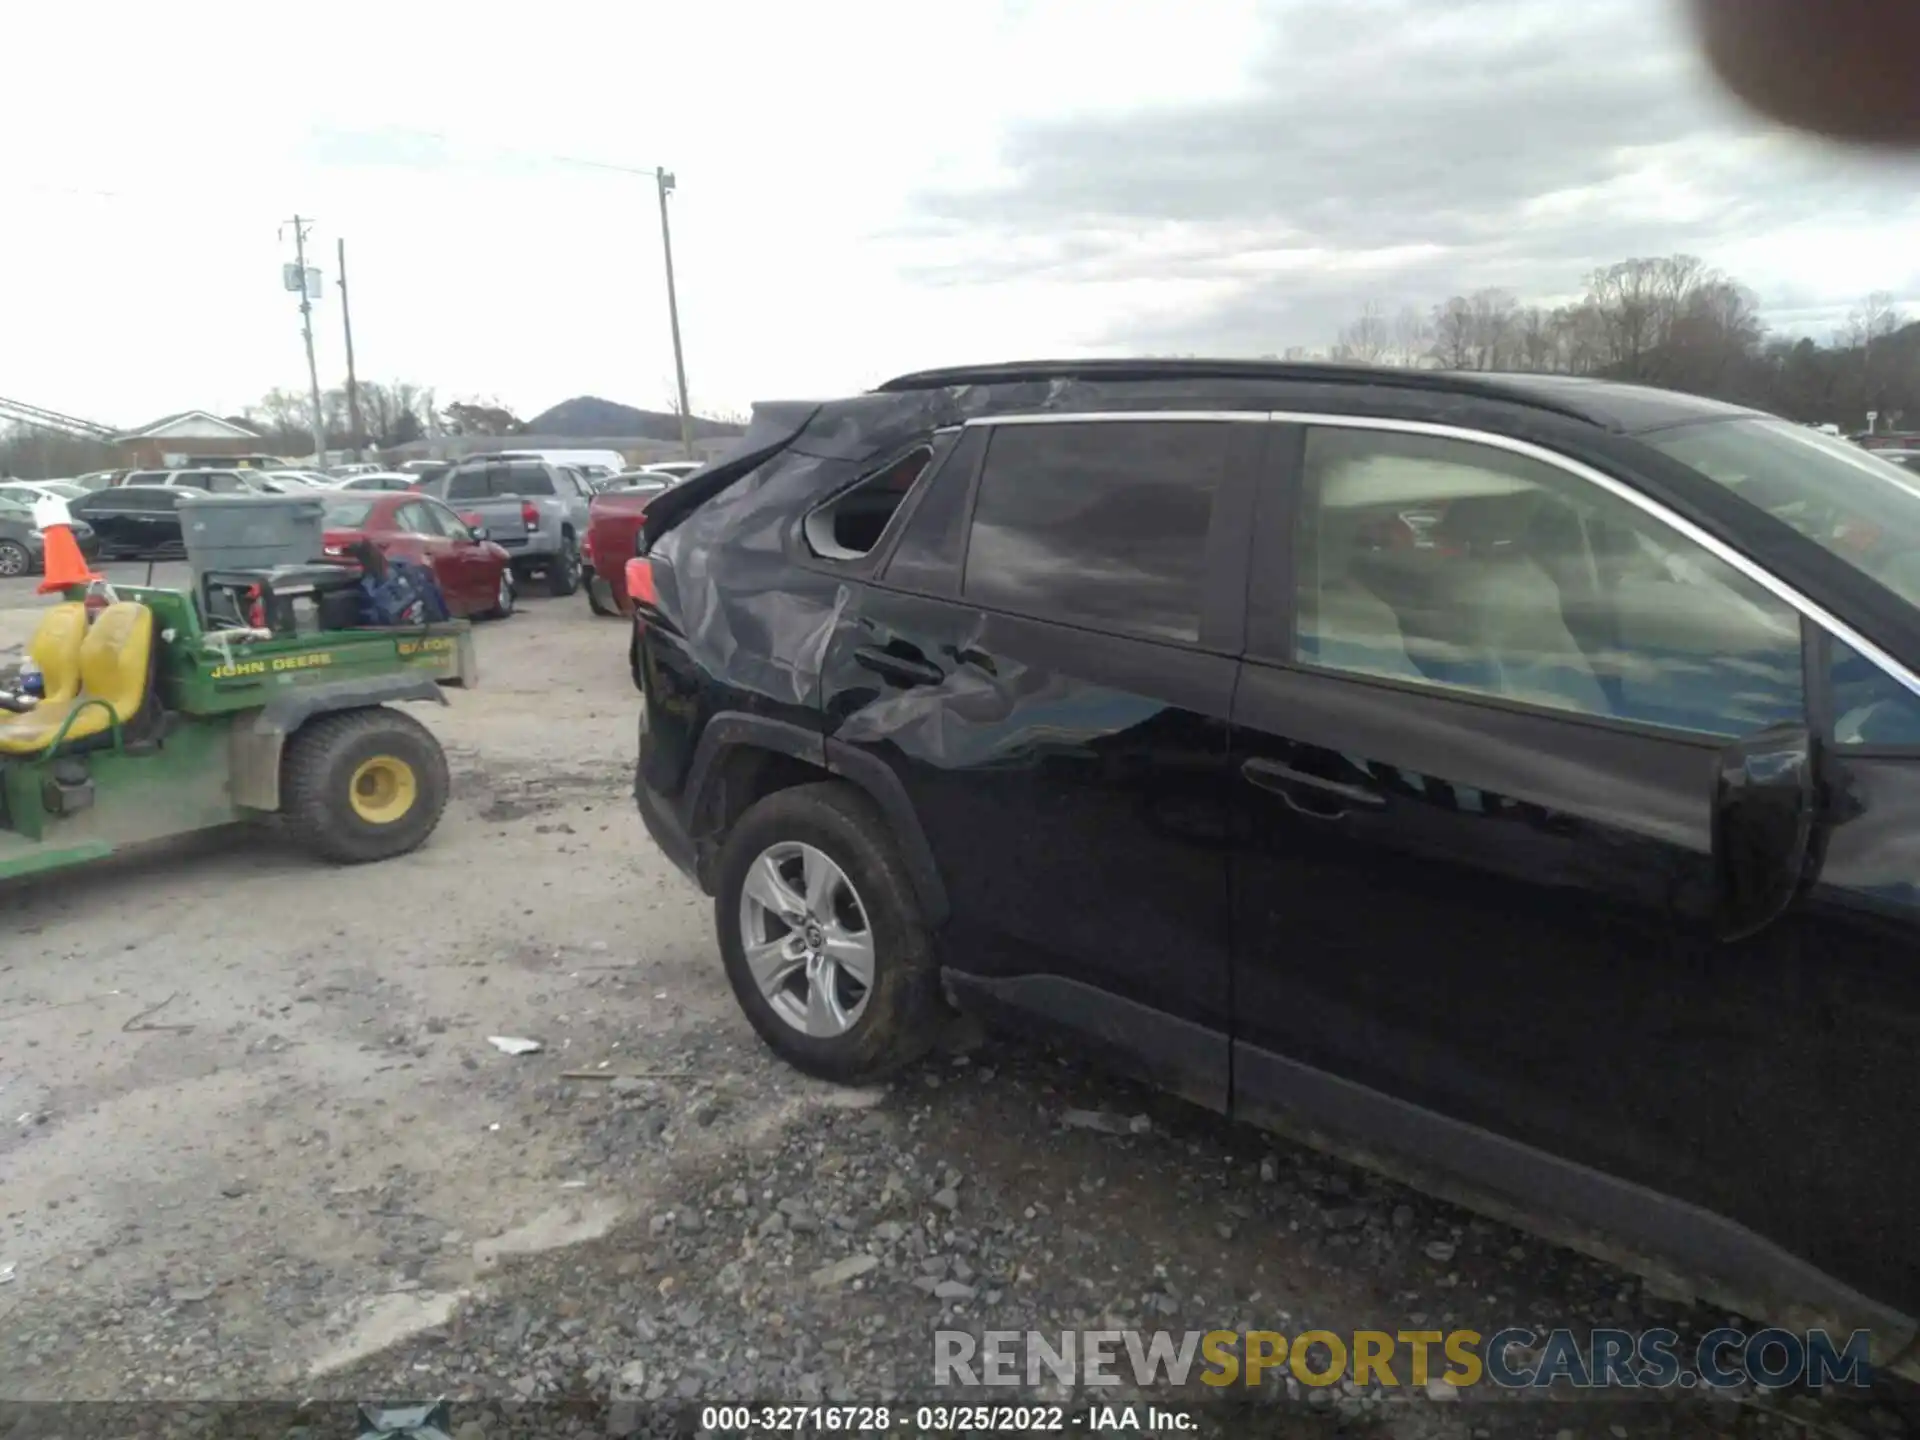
x=254 y=1143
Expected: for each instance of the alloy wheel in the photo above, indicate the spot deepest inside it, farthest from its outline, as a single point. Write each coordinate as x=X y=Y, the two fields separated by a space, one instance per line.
x=807 y=941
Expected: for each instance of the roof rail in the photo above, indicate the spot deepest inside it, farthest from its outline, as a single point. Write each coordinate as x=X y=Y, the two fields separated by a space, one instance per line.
x=1120 y=370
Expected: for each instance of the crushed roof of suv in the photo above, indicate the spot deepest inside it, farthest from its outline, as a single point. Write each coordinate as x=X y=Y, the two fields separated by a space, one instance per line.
x=1611 y=404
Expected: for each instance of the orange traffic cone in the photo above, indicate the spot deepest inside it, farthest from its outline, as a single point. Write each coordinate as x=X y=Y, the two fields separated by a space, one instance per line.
x=64 y=565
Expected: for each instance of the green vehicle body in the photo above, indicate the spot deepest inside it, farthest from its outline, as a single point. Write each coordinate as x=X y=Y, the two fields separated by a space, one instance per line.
x=231 y=711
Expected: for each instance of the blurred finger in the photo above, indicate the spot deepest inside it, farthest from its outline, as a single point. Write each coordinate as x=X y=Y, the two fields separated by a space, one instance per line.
x=1839 y=68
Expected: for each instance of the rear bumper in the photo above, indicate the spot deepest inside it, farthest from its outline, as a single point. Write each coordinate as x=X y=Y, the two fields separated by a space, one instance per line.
x=664 y=825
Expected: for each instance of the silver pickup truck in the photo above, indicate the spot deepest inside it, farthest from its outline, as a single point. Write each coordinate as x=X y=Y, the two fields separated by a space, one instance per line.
x=535 y=511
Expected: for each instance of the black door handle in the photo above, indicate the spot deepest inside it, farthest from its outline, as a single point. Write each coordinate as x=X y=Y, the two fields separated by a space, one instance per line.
x=899 y=668
x=1282 y=779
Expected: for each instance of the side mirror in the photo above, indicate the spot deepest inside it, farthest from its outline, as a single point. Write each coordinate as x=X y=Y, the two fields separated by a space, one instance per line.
x=480 y=532
x=1763 y=811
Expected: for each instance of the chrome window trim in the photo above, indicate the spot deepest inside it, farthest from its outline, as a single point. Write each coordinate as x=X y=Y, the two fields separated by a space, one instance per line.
x=1062 y=417
x=1714 y=546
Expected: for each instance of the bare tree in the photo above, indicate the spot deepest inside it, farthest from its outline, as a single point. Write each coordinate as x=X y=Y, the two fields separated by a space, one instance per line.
x=1874 y=317
x=1639 y=303
x=1535 y=341
x=1366 y=340
x=1410 y=338
x=1453 y=333
x=1490 y=328
x=284 y=418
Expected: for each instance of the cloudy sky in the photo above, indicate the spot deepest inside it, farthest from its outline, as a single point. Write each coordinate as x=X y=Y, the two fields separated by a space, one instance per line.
x=862 y=188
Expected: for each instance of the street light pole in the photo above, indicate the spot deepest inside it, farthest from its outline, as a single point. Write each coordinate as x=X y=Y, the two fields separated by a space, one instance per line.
x=665 y=181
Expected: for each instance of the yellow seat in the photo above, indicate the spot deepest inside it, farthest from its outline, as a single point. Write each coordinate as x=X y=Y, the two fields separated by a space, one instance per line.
x=115 y=659
x=55 y=648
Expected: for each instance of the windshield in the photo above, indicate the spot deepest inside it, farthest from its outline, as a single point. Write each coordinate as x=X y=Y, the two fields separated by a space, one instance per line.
x=1848 y=501
x=347 y=514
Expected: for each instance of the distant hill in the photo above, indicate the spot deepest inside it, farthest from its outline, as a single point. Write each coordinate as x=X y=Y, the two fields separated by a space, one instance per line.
x=589 y=415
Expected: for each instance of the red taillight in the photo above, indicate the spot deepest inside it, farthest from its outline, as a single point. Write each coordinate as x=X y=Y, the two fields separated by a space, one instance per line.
x=530 y=515
x=640 y=586
x=472 y=521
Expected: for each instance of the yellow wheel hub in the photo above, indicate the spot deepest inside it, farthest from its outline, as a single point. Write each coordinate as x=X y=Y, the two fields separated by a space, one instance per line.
x=383 y=790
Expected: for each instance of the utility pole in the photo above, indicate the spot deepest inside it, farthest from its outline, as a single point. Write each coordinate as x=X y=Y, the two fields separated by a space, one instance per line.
x=353 y=385
x=300 y=228
x=665 y=181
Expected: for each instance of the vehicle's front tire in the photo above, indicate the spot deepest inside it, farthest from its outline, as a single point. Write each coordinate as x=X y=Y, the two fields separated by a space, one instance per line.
x=362 y=785
x=505 y=598
x=822 y=936
x=563 y=575
x=15 y=560
x=591 y=583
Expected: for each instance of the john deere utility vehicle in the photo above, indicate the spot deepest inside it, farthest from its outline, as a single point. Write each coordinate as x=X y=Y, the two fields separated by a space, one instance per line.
x=253 y=696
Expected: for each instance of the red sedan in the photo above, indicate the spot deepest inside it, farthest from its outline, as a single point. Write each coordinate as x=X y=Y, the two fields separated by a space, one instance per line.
x=474 y=574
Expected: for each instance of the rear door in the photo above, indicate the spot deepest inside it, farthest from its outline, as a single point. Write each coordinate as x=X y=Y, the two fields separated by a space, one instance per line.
x=1046 y=661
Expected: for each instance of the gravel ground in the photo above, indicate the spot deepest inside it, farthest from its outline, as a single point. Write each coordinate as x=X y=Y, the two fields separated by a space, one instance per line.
x=255 y=1145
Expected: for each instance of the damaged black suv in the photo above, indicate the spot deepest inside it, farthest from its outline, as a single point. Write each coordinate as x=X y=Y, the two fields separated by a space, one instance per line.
x=1515 y=778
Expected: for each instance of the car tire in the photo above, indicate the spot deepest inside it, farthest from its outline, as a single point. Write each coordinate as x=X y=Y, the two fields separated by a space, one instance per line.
x=590 y=582
x=15 y=560
x=563 y=575
x=867 y=1030
x=505 y=598
x=326 y=804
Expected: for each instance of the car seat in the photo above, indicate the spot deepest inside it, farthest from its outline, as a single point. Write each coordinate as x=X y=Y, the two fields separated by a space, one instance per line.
x=116 y=674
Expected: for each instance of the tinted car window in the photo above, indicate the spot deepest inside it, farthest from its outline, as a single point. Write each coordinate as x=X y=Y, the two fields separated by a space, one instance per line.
x=346 y=514
x=522 y=479
x=1101 y=523
x=413 y=518
x=145 y=477
x=928 y=555
x=450 y=524
x=1448 y=563
x=1870 y=707
x=467 y=485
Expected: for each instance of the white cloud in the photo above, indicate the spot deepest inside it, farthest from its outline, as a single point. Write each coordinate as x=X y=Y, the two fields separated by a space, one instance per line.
x=807 y=142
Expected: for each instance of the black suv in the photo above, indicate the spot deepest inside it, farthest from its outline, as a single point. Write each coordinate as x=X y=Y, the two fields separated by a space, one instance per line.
x=1511 y=779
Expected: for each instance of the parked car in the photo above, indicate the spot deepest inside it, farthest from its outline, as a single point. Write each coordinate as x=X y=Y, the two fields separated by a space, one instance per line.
x=352 y=468
x=99 y=479
x=388 y=480
x=31 y=490
x=613 y=525
x=424 y=469
x=134 y=520
x=22 y=547
x=213 y=481
x=679 y=469
x=1905 y=459
x=538 y=511
x=475 y=574
x=1564 y=861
